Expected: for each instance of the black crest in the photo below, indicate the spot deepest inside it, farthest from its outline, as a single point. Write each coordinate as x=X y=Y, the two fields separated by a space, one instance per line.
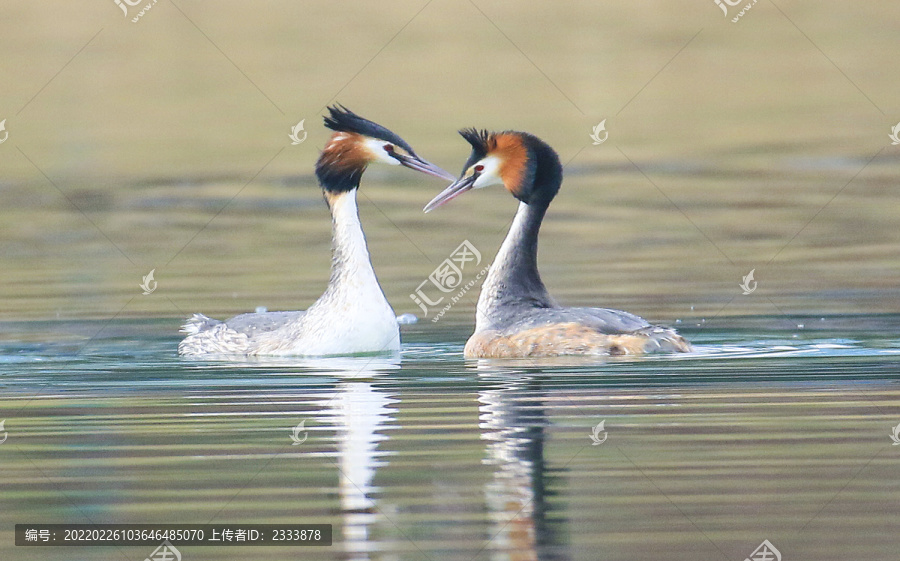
x=481 y=144
x=341 y=119
x=479 y=139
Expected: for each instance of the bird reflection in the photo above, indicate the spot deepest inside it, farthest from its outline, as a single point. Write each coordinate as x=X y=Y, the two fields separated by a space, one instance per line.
x=360 y=411
x=513 y=422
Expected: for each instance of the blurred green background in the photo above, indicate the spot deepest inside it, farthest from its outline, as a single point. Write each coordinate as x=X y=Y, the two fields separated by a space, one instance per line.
x=164 y=145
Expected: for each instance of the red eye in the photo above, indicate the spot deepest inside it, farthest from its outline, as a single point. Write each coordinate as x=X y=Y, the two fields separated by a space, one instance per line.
x=479 y=168
x=389 y=148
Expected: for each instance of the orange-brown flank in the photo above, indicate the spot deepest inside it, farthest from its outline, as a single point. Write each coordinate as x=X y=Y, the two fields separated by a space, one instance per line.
x=557 y=339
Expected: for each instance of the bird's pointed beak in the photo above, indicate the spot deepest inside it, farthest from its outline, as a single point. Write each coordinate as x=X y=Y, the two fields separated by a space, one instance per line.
x=418 y=164
x=459 y=187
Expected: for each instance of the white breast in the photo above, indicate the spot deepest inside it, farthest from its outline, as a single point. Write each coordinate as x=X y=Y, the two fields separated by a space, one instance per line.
x=353 y=316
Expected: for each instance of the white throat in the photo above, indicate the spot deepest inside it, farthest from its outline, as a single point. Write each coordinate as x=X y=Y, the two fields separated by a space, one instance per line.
x=351 y=255
x=353 y=314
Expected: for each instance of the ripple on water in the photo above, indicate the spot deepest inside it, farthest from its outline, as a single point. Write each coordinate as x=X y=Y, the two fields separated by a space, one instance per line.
x=427 y=455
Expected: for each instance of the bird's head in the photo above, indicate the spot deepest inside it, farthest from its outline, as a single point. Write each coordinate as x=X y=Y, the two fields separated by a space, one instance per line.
x=523 y=163
x=358 y=142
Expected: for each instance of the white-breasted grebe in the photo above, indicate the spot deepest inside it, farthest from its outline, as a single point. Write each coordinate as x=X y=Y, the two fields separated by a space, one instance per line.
x=352 y=316
x=515 y=316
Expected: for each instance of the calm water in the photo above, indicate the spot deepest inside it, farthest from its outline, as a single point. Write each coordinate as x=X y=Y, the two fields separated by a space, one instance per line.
x=764 y=433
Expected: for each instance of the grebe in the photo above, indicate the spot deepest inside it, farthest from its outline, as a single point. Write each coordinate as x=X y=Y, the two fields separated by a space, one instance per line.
x=516 y=317
x=352 y=316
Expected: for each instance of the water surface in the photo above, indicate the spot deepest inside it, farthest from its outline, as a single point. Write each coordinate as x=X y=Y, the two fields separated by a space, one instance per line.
x=763 y=433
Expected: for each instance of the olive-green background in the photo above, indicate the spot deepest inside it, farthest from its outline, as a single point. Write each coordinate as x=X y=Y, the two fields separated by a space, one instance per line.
x=164 y=145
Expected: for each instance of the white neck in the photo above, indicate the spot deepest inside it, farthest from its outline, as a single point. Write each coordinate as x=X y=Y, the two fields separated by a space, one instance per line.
x=353 y=315
x=351 y=263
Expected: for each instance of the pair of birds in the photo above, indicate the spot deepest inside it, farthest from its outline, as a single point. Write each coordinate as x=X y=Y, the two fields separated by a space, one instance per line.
x=516 y=316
